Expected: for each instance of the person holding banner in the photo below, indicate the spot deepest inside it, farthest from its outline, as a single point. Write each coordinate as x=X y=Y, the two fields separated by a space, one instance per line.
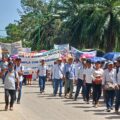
x=58 y=76
x=42 y=74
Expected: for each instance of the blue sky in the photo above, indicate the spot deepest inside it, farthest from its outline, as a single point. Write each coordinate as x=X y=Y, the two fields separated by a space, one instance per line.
x=8 y=13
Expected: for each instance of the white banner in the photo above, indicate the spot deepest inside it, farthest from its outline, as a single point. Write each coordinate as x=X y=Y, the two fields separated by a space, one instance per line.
x=34 y=63
x=26 y=50
x=61 y=47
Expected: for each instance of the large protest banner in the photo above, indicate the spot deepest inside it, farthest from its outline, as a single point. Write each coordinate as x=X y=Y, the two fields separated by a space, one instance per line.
x=34 y=62
x=12 y=48
x=16 y=47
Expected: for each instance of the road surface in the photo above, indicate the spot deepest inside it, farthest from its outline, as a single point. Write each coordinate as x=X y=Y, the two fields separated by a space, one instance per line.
x=36 y=106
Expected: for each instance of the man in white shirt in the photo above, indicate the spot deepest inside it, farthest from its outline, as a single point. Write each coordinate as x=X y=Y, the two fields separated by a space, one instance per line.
x=79 y=71
x=19 y=69
x=88 y=79
x=117 y=84
x=58 y=76
x=109 y=77
x=10 y=78
x=69 y=73
x=42 y=73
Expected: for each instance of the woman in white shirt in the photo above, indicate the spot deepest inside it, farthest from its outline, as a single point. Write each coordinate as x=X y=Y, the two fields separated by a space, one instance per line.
x=109 y=77
x=97 y=83
x=10 y=78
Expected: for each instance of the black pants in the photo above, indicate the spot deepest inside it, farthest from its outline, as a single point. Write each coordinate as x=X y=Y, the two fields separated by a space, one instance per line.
x=10 y=93
x=97 y=89
x=117 y=103
x=88 y=90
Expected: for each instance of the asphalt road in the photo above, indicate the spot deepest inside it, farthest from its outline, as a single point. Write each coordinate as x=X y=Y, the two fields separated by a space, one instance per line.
x=36 y=106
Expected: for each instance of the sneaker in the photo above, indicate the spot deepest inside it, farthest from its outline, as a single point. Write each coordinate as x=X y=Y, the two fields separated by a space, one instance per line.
x=87 y=102
x=6 y=107
x=108 y=110
x=116 y=112
x=18 y=102
x=60 y=95
x=96 y=105
x=111 y=108
x=11 y=108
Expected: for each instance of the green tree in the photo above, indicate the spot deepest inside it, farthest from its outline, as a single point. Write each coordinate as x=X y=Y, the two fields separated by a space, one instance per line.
x=14 y=32
x=93 y=23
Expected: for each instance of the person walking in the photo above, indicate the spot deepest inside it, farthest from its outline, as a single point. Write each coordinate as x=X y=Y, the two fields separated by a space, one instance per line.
x=79 y=77
x=88 y=79
x=58 y=75
x=11 y=77
x=117 y=86
x=42 y=73
x=97 y=83
x=19 y=69
x=69 y=73
x=108 y=83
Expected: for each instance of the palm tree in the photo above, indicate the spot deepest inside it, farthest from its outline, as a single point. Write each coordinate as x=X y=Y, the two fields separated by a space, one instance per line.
x=103 y=24
x=93 y=23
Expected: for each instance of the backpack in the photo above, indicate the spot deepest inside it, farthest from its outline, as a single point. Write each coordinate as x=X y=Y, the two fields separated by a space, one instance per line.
x=16 y=66
x=6 y=75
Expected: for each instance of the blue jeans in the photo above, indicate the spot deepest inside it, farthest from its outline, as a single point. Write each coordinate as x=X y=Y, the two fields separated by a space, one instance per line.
x=117 y=102
x=42 y=80
x=110 y=94
x=58 y=83
x=79 y=85
x=19 y=91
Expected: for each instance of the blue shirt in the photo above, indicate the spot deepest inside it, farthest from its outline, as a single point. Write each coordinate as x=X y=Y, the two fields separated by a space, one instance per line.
x=71 y=69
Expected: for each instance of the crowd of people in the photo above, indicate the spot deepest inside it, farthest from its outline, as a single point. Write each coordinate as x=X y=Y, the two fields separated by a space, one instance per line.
x=90 y=79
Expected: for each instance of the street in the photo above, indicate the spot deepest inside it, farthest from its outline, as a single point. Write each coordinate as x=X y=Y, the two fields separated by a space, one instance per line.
x=36 y=106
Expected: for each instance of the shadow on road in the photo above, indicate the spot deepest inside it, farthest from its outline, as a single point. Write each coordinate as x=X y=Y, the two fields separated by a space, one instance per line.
x=2 y=102
x=113 y=117
x=81 y=106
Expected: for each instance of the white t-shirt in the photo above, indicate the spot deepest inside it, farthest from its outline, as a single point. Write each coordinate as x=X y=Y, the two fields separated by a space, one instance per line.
x=10 y=80
x=18 y=69
x=88 y=74
x=58 y=71
x=98 y=72
x=42 y=70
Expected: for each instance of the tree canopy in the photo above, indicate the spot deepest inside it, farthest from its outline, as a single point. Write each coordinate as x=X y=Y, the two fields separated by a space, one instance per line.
x=81 y=23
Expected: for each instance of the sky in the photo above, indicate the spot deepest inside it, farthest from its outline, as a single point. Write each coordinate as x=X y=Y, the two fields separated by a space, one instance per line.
x=8 y=13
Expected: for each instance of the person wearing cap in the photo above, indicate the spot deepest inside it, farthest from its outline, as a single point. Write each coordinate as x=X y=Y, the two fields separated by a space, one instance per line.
x=19 y=69
x=79 y=80
x=88 y=79
x=52 y=75
x=58 y=77
x=42 y=73
x=11 y=77
x=117 y=86
x=97 y=77
x=108 y=83
x=69 y=74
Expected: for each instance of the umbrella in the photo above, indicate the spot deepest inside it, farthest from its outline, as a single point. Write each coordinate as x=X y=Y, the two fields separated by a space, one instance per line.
x=43 y=51
x=86 y=55
x=15 y=56
x=96 y=59
x=112 y=55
